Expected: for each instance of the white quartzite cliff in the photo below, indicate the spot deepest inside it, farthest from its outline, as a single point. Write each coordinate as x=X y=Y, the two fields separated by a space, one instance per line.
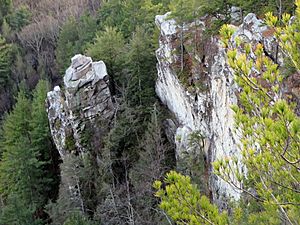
x=204 y=110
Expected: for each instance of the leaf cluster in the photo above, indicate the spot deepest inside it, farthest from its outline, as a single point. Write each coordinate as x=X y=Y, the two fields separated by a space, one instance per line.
x=182 y=201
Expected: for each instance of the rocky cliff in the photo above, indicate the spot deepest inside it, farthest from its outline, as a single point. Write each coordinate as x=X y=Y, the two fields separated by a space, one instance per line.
x=196 y=84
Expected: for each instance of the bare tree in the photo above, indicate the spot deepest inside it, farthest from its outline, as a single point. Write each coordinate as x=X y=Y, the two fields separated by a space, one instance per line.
x=35 y=34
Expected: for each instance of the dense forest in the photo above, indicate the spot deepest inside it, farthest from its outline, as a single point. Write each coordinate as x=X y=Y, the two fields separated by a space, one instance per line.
x=136 y=182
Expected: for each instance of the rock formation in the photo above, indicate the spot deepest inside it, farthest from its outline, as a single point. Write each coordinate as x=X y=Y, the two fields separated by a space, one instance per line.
x=202 y=93
x=73 y=113
x=86 y=97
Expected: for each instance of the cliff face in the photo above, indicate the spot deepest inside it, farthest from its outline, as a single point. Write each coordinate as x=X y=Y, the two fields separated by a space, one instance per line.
x=203 y=106
x=198 y=87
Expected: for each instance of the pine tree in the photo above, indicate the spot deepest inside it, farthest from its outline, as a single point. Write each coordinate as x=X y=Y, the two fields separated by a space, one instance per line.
x=26 y=170
x=182 y=201
x=267 y=123
x=78 y=219
x=108 y=46
x=16 y=141
x=18 y=212
x=19 y=18
x=5 y=8
x=141 y=70
x=74 y=36
x=66 y=47
x=41 y=143
x=5 y=62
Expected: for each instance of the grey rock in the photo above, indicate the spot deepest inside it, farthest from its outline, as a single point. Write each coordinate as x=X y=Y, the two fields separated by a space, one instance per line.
x=235 y=15
x=86 y=97
x=72 y=112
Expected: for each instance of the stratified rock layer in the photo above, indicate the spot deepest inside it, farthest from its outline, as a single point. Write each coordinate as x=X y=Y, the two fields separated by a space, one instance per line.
x=86 y=96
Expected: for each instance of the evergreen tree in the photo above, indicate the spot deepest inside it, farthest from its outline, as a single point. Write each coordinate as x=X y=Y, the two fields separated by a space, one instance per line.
x=19 y=18
x=66 y=47
x=268 y=125
x=78 y=219
x=73 y=39
x=41 y=143
x=18 y=212
x=127 y=15
x=108 y=46
x=141 y=70
x=14 y=171
x=27 y=170
x=182 y=201
x=6 y=30
x=5 y=8
x=5 y=62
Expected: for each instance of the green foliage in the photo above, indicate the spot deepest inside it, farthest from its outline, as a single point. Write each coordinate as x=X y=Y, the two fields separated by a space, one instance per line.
x=41 y=141
x=126 y=15
x=19 y=18
x=288 y=34
x=141 y=71
x=18 y=212
x=78 y=219
x=107 y=46
x=182 y=201
x=185 y=10
x=5 y=8
x=66 y=47
x=6 y=53
x=18 y=165
x=73 y=39
x=262 y=7
x=27 y=163
x=268 y=125
x=6 y=29
x=249 y=211
x=188 y=10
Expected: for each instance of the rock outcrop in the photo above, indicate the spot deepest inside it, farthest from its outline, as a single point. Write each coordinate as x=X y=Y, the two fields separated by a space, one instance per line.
x=74 y=112
x=86 y=96
x=201 y=93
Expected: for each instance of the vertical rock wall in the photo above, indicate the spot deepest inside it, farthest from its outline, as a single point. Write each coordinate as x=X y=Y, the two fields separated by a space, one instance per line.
x=201 y=101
